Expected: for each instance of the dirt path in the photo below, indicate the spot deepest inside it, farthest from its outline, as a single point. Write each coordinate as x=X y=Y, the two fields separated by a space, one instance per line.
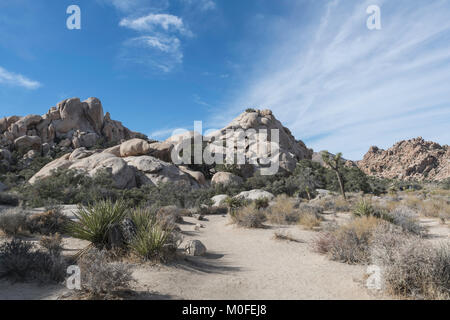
x=240 y=264
x=250 y=264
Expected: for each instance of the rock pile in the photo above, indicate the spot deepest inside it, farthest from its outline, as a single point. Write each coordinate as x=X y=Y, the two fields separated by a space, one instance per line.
x=414 y=159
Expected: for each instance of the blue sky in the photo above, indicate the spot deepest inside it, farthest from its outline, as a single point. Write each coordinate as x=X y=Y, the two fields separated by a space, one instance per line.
x=158 y=65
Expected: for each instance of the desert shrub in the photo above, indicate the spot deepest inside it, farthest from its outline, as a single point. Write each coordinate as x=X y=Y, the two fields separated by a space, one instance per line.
x=95 y=220
x=446 y=184
x=48 y=222
x=12 y=221
x=8 y=199
x=323 y=243
x=248 y=217
x=412 y=267
x=364 y=208
x=349 y=243
x=283 y=211
x=19 y=261
x=68 y=187
x=53 y=244
x=309 y=216
x=408 y=220
x=169 y=216
x=234 y=203
x=99 y=276
x=309 y=221
x=261 y=203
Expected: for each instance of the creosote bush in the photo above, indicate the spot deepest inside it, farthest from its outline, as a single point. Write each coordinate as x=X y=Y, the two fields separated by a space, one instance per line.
x=13 y=221
x=349 y=243
x=21 y=261
x=407 y=219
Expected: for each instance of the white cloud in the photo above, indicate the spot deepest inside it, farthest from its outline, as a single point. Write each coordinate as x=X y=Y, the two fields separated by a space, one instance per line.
x=155 y=22
x=15 y=79
x=346 y=88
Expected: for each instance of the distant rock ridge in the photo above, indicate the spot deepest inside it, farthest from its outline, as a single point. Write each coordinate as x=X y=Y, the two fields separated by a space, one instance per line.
x=414 y=159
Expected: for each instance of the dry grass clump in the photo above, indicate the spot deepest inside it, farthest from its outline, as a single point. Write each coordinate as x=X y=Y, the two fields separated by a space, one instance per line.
x=334 y=203
x=52 y=243
x=248 y=217
x=21 y=261
x=435 y=208
x=407 y=220
x=283 y=211
x=100 y=276
x=411 y=266
x=13 y=221
x=47 y=223
x=309 y=216
x=349 y=243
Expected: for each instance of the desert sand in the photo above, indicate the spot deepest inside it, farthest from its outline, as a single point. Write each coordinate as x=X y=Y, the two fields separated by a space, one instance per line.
x=240 y=264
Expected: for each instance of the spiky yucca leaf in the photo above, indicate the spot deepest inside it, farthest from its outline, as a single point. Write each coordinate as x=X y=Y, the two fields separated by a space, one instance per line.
x=93 y=221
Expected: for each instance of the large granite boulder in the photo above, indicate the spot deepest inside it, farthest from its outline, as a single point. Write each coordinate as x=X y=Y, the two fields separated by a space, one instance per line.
x=225 y=178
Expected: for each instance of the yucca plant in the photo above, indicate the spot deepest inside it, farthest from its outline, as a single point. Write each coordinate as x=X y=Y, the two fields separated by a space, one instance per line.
x=153 y=239
x=364 y=208
x=153 y=243
x=94 y=221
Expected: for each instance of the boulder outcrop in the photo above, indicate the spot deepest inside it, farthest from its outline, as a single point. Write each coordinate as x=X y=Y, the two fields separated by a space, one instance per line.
x=290 y=149
x=126 y=172
x=71 y=124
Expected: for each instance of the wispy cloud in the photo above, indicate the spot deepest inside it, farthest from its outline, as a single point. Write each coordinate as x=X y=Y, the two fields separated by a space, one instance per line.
x=156 y=22
x=159 y=47
x=158 y=52
x=203 y=5
x=15 y=79
x=345 y=87
x=163 y=133
x=136 y=6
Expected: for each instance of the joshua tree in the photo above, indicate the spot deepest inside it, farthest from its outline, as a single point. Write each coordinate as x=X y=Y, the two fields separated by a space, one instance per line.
x=335 y=163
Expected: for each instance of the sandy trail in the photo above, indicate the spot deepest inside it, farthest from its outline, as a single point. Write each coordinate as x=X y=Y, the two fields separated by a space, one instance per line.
x=250 y=264
x=240 y=264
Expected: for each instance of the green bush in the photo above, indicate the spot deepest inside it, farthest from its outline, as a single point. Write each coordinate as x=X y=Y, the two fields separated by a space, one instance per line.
x=68 y=187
